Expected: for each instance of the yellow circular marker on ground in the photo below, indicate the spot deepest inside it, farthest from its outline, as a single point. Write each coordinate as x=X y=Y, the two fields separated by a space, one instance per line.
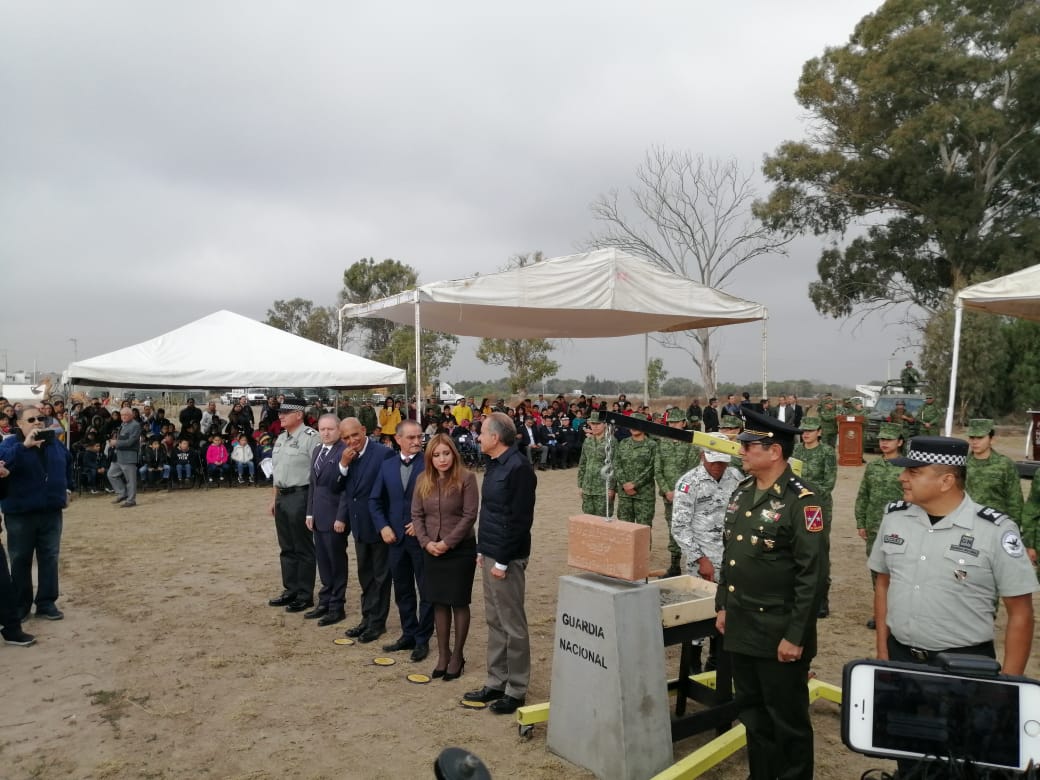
x=473 y=705
x=343 y=641
x=418 y=679
x=384 y=661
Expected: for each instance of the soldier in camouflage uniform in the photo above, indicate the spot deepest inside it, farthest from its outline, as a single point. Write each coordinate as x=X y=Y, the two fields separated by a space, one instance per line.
x=596 y=498
x=672 y=460
x=992 y=478
x=820 y=472
x=730 y=426
x=693 y=415
x=879 y=488
x=910 y=377
x=827 y=413
x=1031 y=517
x=634 y=475
x=347 y=409
x=930 y=417
x=368 y=418
x=903 y=418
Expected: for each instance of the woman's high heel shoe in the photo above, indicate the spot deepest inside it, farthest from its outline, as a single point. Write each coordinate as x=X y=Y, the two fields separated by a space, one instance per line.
x=449 y=676
x=438 y=673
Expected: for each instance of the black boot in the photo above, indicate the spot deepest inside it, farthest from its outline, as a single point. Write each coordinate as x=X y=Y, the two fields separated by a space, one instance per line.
x=676 y=568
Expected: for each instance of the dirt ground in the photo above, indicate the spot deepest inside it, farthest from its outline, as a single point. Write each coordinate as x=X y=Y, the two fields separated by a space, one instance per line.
x=170 y=664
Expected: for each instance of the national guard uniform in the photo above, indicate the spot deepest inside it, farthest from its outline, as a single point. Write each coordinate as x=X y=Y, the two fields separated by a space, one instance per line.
x=699 y=508
x=774 y=567
x=590 y=481
x=993 y=481
x=634 y=463
x=292 y=471
x=673 y=459
x=946 y=577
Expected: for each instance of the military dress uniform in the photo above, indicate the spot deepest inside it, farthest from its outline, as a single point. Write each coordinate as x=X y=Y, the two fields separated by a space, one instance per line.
x=774 y=569
x=292 y=470
x=672 y=459
x=590 y=481
x=634 y=463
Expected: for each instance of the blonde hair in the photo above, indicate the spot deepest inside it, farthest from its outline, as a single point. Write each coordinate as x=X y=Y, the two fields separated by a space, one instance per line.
x=430 y=477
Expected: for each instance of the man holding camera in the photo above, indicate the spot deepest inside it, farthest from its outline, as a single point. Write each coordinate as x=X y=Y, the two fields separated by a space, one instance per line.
x=942 y=561
x=37 y=490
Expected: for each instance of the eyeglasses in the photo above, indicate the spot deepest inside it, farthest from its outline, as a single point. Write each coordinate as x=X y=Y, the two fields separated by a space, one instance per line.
x=32 y=419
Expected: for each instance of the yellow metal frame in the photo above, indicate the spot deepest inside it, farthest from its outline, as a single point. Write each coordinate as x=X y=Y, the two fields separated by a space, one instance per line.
x=708 y=755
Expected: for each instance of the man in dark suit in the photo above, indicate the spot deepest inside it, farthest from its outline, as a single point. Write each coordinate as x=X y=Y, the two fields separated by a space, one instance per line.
x=391 y=508
x=534 y=442
x=330 y=534
x=359 y=463
x=796 y=409
x=711 y=416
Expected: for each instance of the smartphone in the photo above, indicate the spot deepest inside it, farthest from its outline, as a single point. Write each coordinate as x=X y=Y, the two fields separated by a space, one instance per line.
x=894 y=710
x=46 y=435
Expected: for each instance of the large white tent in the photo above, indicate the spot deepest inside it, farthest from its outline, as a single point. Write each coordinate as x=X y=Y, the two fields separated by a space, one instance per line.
x=225 y=349
x=1014 y=295
x=596 y=294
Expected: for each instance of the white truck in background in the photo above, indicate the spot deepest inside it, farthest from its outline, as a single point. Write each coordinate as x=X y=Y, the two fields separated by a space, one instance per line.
x=446 y=393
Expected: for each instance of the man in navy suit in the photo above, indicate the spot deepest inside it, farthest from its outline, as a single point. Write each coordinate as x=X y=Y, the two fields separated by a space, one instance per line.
x=359 y=463
x=391 y=508
x=330 y=534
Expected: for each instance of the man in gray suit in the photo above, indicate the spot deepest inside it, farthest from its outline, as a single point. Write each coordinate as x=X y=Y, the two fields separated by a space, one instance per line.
x=127 y=445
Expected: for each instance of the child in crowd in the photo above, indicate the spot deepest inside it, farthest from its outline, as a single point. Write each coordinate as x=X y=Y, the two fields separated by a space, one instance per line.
x=216 y=459
x=155 y=465
x=263 y=455
x=183 y=460
x=242 y=455
x=94 y=466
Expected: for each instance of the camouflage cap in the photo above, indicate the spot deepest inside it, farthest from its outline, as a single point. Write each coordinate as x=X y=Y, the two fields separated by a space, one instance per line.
x=811 y=424
x=888 y=431
x=730 y=421
x=638 y=416
x=979 y=427
x=597 y=416
x=675 y=415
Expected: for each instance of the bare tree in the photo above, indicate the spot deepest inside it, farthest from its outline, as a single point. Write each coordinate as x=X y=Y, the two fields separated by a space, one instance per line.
x=692 y=216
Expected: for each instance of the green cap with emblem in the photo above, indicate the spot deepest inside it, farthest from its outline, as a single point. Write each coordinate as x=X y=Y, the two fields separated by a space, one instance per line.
x=730 y=421
x=979 y=427
x=811 y=424
x=637 y=416
x=887 y=430
x=597 y=416
x=675 y=415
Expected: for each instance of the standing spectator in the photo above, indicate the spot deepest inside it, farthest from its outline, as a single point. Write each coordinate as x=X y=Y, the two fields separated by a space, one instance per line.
x=10 y=620
x=330 y=533
x=247 y=411
x=390 y=504
x=211 y=422
x=36 y=490
x=190 y=414
x=775 y=565
x=711 y=416
x=462 y=411
x=389 y=417
x=504 y=546
x=269 y=419
x=360 y=463
x=292 y=472
x=694 y=415
x=444 y=512
x=122 y=474
x=820 y=472
x=992 y=477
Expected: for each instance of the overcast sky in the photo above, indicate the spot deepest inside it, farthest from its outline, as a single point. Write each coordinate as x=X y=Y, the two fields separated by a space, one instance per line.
x=161 y=161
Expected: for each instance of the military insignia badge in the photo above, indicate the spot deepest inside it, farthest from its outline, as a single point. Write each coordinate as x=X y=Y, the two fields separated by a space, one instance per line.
x=960 y=575
x=805 y=492
x=770 y=516
x=754 y=540
x=684 y=487
x=1012 y=544
x=769 y=543
x=813 y=519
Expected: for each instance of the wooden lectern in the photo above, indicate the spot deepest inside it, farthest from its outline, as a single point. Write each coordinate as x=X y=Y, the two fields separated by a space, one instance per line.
x=850 y=440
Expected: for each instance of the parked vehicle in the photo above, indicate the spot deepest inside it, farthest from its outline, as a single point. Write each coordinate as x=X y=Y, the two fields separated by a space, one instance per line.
x=883 y=408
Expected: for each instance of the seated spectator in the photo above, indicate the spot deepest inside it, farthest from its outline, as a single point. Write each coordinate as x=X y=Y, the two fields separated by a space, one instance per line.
x=534 y=441
x=93 y=466
x=216 y=459
x=155 y=465
x=263 y=457
x=185 y=462
x=242 y=456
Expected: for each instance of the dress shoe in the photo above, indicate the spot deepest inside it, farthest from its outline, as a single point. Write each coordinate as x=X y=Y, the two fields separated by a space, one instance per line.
x=119 y=500
x=128 y=504
x=332 y=618
x=484 y=694
x=401 y=644
x=317 y=612
x=823 y=612
x=282 y=601
x=871 y=624
x=299 y=606
x=52 y=613
x=507 y=705
x=449 y=676
x=369 y=635
x=15 y=636
x=356 y=631
x=420 y=652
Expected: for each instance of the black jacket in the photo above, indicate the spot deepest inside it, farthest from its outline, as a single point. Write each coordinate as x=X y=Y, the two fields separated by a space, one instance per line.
x=507 y=507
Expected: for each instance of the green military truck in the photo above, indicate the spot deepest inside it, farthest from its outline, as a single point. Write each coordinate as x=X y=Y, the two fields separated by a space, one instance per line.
x=890 y=395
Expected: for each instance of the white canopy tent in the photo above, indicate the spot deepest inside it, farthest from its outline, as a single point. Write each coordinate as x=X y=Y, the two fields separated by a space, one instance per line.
x=225 y=349
x=1014 y=295
x=596 y=294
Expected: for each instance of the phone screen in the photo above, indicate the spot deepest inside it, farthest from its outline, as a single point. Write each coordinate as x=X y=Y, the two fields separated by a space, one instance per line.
x=941 y=716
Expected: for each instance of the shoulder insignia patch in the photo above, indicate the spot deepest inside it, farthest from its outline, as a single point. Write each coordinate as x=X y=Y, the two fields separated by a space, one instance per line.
x=798 y=485
x=895 y=506
x=995 y=516
x=813 y=519
x=1012 y=544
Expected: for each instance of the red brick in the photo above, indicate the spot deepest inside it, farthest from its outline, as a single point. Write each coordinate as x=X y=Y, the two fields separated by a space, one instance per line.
x=614 y=548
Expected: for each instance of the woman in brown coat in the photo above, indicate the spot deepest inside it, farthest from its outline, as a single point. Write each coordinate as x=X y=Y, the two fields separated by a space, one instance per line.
x=444 y=511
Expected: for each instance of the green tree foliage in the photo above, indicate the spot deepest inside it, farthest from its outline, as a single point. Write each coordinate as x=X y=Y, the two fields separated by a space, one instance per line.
x=926 y=129
x=656 y=375
x=302 y=318
x=527 y=360
x=681 y=386
x=1024 y=376
x=436 y=350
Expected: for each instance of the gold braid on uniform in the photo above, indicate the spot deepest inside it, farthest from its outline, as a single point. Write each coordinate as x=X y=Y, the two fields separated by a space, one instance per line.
x=803 y=491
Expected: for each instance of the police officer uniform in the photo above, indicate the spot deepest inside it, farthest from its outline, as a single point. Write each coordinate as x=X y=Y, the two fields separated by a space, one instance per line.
x=775 y=565
x=292 y=466
x=946 y=576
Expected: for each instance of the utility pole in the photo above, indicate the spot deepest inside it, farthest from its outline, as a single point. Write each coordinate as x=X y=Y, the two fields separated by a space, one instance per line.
x=75 y=348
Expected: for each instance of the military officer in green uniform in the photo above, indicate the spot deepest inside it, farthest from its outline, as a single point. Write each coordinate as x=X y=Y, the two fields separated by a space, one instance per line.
x=828 y=414
x=368 y=418
x=879 y=488
x=730 y=426
x=820 y=472
x=634 y=475
x=775 y=564
x=672 y=460
x=992 y=478
x=910 y=377
x=597 y=498
x=346 y=409
x=1031 y=517
x=929 y=417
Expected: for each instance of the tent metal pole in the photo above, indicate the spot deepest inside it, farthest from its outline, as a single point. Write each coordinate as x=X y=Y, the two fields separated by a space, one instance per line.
x=646 y=369
x=958 y=314
x=418 y=364
x=765 y=357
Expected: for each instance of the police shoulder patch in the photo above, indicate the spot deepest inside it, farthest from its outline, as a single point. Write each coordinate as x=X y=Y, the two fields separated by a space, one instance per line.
x=895 y=506
x=995 y=516
x=798 y=486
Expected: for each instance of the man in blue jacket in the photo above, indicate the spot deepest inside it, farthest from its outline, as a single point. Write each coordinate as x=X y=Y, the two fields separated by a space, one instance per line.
x=503 y=547
x=37 y=491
